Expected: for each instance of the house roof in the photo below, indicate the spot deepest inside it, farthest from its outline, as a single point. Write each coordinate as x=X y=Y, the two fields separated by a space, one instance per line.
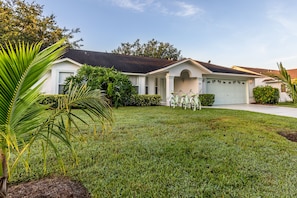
x=268 y=72
x=136 y=64
x=124 y=63
x=293 y=73
x=221 y=69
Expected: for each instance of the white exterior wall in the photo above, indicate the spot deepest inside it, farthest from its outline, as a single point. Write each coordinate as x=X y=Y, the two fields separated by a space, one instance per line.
x=141 y=82
x=186 y=86
x=151 y=85
x=47 y=85
x=193 y=70
x=52 y=82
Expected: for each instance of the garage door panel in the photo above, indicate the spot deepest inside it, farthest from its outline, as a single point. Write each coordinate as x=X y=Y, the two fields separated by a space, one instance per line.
x=227 y=91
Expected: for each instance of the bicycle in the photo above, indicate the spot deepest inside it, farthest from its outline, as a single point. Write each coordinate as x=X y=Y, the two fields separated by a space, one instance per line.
x=185 y=101
x=195 y=102
x=173 y=100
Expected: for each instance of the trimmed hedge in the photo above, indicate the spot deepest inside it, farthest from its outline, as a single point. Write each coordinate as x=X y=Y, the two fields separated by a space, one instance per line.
x=207 y=99
x=266 y=95
x=145 y=100
x=135 y=100
x=50 y=99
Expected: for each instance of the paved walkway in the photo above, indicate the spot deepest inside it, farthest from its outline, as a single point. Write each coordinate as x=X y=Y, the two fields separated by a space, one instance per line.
x=268 y=109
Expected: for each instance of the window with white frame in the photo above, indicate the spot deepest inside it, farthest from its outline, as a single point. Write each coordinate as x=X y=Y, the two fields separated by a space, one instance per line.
x=62 y=78
x=135 y=83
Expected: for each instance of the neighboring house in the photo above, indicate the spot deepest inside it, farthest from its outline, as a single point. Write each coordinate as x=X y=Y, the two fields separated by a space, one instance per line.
x=159 y=76
x=265 y=78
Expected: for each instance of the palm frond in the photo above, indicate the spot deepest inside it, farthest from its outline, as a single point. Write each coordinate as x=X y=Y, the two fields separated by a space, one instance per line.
x=286 y=78
x=21 y=68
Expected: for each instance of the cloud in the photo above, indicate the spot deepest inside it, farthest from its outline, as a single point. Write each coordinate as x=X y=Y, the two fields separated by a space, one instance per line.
x=137 y=5
x=175 y=8
x=187 y=9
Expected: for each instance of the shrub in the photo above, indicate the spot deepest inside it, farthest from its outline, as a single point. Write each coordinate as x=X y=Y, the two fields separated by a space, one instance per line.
x=145 y=100
x=51 y=100
x=207 y=99
x=266 y=95
x=117 y=86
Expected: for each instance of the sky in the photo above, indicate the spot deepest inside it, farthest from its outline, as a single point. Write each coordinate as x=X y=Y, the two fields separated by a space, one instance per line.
x=250 y=33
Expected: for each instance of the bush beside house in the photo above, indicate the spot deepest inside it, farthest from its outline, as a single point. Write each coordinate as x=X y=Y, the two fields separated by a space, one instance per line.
x=117 y=86
x=145 y=100
x=207 y=99
x=50 y=99
x=266 y=95
x=136 y=100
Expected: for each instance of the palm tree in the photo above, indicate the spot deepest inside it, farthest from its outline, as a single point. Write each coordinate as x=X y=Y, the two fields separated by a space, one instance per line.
x=286 y=78
x=21 y=121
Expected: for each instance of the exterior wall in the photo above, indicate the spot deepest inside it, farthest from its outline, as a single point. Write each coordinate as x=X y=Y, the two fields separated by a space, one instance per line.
x=52 y=82
x=151 y=85
x=186 y=85
x=193 y=70
x=47 y=85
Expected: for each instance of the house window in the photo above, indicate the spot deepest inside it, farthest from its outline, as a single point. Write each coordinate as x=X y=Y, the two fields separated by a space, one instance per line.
x=283 y=88
x=156 y=86
x=62 y=78
x=146 y=85
x=134 y=82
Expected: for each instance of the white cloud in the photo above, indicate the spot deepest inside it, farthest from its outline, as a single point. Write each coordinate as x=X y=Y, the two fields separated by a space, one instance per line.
x=176 y=8
x=138 y=5
x=187 y=9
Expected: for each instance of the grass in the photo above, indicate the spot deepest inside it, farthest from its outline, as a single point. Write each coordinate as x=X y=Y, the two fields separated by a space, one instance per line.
x=288 y=104
x=163 y=152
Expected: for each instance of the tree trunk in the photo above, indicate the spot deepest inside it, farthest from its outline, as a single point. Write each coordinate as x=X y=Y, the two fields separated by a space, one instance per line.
x=4 y=178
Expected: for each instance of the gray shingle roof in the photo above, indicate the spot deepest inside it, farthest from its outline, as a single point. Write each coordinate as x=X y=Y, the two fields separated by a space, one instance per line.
x=124 y=63
x=134 y=64
x=221 y=69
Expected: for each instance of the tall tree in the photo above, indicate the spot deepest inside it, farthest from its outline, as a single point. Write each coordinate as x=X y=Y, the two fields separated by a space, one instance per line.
x=21 y=118
x=22 y=21
x=152 y=48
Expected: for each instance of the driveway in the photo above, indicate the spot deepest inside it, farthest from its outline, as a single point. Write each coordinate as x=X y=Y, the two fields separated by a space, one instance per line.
x=268 y=109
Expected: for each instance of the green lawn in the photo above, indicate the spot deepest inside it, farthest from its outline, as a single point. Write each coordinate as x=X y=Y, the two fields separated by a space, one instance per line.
x=163 y=152
x=288 y=104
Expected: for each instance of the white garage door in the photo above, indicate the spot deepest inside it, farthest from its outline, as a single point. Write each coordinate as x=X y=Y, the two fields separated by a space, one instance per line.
x=227 y=91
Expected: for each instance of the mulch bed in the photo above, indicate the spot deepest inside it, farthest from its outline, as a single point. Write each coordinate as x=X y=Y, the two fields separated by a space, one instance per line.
x=292 y=136
x=56 y=187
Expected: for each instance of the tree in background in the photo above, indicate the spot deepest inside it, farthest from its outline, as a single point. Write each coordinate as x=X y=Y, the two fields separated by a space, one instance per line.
x=152 y=48
x=117 y=86
x=21 y=21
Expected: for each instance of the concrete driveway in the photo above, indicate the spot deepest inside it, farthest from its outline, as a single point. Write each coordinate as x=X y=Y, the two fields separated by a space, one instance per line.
x=268 y=109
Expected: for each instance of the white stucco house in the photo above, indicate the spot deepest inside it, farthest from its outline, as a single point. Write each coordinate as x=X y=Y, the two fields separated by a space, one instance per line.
x=160 y=76
x=265 y=78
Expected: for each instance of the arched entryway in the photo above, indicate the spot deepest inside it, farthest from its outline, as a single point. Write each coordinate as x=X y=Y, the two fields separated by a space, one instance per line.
x=185 y=83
